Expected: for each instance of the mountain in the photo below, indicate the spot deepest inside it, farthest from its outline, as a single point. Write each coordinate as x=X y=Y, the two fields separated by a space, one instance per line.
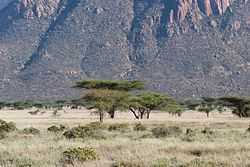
x=186 y=48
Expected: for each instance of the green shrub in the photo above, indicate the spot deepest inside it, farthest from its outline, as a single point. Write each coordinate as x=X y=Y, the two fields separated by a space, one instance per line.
x=83 y=132
x=7 y=126
x=127 y=164
x=118 y=127
x=56 y=129
x=31 y=130
x=140 y=127
x=79 y=154
x=167 y=131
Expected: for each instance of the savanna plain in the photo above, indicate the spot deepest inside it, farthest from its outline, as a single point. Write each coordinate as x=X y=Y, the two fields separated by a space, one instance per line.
x=73 y=137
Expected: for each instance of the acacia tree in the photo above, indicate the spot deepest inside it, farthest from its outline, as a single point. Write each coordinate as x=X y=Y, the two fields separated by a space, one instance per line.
x=146 y=102
x=104 y=100
x=205 y=105
x=240 y=105
x=107 y=96
x=208 y=105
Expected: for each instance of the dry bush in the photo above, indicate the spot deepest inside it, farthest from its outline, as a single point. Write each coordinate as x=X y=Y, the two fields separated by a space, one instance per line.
x=202 y=163
x=164 y=162
x=167 y=131
x=248 y=129
x=3 y=135
x=96 y=126
x=127 y=164
x=139 y=127
x=190 y=135
x=119 y=127
x=31 y=130
x=56 y=129
x=193 y=163
x=8 y=160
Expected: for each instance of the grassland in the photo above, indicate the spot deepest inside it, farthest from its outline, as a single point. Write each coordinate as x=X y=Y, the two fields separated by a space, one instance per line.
x=221 y=140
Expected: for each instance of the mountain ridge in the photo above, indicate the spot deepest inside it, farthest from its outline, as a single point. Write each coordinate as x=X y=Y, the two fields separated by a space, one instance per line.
x=186 y=48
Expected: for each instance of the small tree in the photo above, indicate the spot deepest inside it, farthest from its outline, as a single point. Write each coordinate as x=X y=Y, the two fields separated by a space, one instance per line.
x=240 y=105
x=205 y=104
x=146 y=102
x=208 y=105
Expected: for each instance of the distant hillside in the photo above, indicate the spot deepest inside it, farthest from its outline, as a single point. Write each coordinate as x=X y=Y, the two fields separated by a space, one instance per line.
x=186 y=48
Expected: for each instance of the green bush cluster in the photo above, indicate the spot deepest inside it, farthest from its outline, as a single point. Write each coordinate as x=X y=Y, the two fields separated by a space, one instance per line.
x=72 y=155
x=31 y=130
x=83 y=132
x=119 y=127
x=6 y=127
x=78 y=132
x=166 y=131
x=56 y=129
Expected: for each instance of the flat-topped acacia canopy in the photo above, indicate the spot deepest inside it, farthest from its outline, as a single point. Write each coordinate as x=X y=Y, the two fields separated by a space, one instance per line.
x=124 y=85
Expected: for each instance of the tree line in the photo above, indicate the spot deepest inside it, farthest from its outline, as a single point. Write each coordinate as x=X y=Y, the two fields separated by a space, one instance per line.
x=106 y=97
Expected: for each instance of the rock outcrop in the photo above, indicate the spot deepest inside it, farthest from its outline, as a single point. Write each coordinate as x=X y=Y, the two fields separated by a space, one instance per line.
x=207 y=7
x=36 y=8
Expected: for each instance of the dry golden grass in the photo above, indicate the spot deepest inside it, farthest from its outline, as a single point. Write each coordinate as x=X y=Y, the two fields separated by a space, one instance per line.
x=229 y=144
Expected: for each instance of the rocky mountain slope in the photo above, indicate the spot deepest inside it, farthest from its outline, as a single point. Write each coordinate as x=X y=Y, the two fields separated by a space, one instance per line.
x=186 y=48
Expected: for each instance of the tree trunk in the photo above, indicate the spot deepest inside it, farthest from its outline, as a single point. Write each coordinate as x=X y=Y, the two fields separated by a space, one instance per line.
x=101 y=114
x=133 y=111
x=179 y=114
x=142 y=111
x=148 y=114
x=207 y=114
x=112 y=113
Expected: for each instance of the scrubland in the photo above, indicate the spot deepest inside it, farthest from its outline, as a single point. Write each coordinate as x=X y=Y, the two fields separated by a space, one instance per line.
x=191 y=140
